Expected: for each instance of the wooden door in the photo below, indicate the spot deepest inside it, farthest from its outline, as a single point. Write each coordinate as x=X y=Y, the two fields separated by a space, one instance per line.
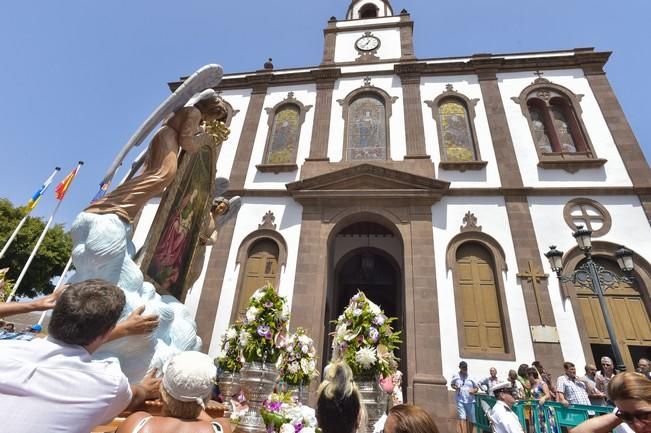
x=482 y=319
x=261 y=268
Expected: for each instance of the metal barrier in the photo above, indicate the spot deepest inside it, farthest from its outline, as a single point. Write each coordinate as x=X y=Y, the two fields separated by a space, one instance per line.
x=535 y=418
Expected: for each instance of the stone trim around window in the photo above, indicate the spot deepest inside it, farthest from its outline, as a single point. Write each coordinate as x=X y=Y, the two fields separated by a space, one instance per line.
x=604 y=216
x=271 y=112
x=368 y=88
x=499 y=261
x=570 y=162
x=469 y=104
x=243 y=255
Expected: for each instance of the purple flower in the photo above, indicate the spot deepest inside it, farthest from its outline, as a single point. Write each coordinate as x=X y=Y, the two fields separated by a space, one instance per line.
x=379 y=320
x=298 y=427
x=264 y=331
x=373 y=334
x=357 y=312
x=268 y=304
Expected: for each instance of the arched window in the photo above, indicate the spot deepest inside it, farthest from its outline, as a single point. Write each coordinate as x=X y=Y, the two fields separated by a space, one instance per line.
x=481 y=316
x=368 y=11
x=454 y=114
x=367 y=135
x=260 y=268
x=554 y=116
x=366 y=112
x=285 y=121
x=284 y=135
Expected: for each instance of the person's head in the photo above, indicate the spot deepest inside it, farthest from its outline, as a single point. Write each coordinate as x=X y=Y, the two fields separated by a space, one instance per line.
x=631 y=393
x=505 y=392
x=606 y=364
x=407 y=418
x=570 y=369
x=10 y=327
x=339 y=403
x=522 y=370
x=212 y=107
x=493 y=372
x=644 y=365
x=590 y=370
x=86 y=312
x=513 y=375
x=219 y=206
x=187 y=384
x=463 y=367
x=532 y=374
x=538 y=366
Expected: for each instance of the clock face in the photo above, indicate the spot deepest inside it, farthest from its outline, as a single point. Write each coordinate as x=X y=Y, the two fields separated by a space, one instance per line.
x=367 y=43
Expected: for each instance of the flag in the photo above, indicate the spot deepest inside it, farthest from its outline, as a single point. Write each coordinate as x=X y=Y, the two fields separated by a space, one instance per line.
x=103 y=187
x=31 y=204
x=62 y=188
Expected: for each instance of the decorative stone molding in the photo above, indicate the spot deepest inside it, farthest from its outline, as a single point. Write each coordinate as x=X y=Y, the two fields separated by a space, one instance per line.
x=470 y=223
x=268 y=221
x=584 y=205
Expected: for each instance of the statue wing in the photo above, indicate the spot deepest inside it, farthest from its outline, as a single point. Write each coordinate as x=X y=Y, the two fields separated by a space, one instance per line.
x=206 y=77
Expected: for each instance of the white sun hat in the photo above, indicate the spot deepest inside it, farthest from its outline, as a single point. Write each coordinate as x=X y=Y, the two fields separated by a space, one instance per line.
x=189 y=376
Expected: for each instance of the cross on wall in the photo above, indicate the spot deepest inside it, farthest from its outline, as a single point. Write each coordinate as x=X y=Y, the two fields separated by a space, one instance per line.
x=535 y=276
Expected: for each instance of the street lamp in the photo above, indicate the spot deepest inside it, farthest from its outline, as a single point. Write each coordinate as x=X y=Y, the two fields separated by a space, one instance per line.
x=594 y=277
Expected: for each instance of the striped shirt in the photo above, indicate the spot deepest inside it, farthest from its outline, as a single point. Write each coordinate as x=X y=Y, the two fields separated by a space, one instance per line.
x=574 y=390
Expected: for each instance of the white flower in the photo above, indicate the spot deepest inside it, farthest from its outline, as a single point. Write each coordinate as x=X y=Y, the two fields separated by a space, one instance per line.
x=341 y=330
x=357 y=312
x=365 y=356
x=293 y=367
x=259 y=293
x=284 y=315
x=251 y=314
x=231 y=334
x=305 y=348
x=244 y=338
x=305 y=339
x=286 y=428
x=308 y=430
x=375 y=310
x=226 y=346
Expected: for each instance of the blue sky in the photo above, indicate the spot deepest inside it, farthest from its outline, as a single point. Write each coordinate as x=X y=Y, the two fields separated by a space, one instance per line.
x=80 y=76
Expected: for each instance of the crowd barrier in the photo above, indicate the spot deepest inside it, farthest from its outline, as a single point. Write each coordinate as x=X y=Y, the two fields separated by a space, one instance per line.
x=550 y=417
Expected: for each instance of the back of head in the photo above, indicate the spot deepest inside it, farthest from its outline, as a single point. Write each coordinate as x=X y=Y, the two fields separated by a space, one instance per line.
x=629 y=385
x=339 y=402
x=187 y=383
x=407 y=418
x=86 y=311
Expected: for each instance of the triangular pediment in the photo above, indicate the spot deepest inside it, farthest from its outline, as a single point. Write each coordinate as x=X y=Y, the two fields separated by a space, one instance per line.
x=368 y=180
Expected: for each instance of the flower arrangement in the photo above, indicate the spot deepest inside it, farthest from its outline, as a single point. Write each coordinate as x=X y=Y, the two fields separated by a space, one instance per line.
x=364 y=338
x=297 y=363
x=265 y=326
x=230 y=358
x=284 y=415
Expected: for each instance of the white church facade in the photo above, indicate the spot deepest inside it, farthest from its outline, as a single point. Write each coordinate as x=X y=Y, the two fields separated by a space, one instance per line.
x=436 y=186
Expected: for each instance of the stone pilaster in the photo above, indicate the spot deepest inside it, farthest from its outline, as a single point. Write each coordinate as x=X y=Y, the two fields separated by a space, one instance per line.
x=325 y=82
x=413 y=106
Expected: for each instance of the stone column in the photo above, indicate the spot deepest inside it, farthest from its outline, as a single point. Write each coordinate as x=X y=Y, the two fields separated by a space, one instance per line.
x=627 y=145
x=249 y=131
x=538 y=305
x=410 y=74
x=329 y=43
x=325 y=83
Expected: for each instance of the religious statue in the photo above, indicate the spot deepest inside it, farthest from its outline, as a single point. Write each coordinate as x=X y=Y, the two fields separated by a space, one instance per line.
x=102 y=247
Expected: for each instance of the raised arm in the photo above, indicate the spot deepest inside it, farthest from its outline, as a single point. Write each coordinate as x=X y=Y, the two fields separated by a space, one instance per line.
x=598 y=424
x=41 y=304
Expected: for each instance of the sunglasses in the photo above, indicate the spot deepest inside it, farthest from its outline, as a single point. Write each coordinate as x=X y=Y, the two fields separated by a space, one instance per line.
x=643 y=416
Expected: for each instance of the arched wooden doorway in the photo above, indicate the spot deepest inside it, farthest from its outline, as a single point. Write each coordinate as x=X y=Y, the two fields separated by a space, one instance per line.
x=628 y=313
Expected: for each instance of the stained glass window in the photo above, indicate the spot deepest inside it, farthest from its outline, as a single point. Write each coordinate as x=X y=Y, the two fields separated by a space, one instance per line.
x=284 y=135
x=367 y=135
x=455 y=131
x=540 y=133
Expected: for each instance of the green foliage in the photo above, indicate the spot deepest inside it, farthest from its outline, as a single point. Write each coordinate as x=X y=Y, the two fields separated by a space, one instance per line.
x=51 y=258
x=230 y=358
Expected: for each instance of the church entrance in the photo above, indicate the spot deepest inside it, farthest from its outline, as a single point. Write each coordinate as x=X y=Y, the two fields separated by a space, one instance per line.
x=365 y=257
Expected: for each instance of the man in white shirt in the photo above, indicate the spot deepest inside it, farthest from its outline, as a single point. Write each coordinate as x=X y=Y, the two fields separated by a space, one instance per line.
x=502 y=417
x=52 y=385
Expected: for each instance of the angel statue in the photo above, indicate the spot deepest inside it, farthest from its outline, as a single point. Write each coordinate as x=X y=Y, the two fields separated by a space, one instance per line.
x=101 y=234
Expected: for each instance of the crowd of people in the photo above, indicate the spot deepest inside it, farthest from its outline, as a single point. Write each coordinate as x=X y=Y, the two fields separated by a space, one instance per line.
x=53 y=385
x=596 y=388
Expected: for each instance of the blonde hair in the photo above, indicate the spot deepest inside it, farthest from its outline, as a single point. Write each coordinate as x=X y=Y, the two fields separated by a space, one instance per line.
x=339 y=406
x=177 y=408
x=412 y=419
x=629 y=385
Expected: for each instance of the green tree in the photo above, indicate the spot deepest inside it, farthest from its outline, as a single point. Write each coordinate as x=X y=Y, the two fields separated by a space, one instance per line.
x=51 y=258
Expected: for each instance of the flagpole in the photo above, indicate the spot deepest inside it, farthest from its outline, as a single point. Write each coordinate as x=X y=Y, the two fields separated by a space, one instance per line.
x=60 y=283
x=22 y=221
x=38 y=243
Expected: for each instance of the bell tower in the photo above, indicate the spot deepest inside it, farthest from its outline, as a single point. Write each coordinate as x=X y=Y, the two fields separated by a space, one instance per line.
x=370 y=33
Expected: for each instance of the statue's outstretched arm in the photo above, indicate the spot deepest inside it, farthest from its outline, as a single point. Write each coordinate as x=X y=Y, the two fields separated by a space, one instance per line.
x=206 y=77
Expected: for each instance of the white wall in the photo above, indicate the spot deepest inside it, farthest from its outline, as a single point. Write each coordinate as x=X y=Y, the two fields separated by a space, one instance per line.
x=288 y=220
x=391 y=85
x=629 y=227
x=145 y=221
x=613 y=172
x=389 y=48
x=467 y=85
x=447 y=217
x=239 y=100
x=255 y=179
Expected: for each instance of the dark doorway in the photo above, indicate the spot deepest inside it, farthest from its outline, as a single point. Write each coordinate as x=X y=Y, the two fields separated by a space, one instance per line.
x=375 y=273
